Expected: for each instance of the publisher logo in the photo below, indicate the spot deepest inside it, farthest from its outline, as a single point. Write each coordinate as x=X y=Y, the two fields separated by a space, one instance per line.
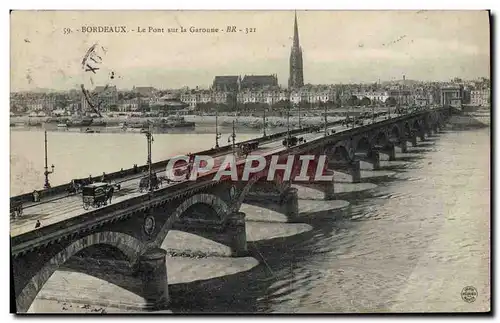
x=469 y=294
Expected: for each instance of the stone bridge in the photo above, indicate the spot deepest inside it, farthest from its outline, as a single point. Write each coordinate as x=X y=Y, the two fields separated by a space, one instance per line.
x=133 y=230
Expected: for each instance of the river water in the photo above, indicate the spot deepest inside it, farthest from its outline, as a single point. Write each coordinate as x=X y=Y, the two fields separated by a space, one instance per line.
x=410 y=245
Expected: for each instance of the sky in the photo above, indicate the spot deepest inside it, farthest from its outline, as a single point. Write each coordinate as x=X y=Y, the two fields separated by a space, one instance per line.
x=338 y=47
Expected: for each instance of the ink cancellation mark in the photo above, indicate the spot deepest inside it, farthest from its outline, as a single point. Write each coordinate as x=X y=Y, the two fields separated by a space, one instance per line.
x=91 y=65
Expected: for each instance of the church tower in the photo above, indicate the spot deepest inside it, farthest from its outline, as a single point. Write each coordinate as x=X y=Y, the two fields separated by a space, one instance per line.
x=296 y=79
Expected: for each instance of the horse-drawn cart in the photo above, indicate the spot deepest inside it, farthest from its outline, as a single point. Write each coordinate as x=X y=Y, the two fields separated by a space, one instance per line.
x=144 y=183
x=96 y=195
x=16 y=209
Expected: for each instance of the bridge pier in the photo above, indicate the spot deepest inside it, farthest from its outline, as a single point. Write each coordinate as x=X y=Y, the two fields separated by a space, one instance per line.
x=404 y=146
x=391 y=152
x=290 y=203
x=413 y=141
x=237 y=236
x=152 y=269
x=374 y=159
x=329 y=191
x=422 y=135
x=355 y=171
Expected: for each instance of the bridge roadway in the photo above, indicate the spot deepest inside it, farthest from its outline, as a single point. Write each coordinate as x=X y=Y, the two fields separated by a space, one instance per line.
x=59 y=208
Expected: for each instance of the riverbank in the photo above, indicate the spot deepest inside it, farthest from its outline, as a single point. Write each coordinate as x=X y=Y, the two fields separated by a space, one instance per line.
x=117 y=122
x=464 y=122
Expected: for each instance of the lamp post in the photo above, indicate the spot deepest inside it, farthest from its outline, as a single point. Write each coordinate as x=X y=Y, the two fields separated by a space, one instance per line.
x=288 y=125
x=300 y=124
x=233 y=138
x=353 y=121
x=217 y=134
x=47 y=172
x=264 y=122
x=150 y=139
x=326 y=121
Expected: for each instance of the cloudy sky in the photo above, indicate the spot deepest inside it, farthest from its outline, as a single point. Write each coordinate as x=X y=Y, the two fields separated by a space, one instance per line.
x=338 y=47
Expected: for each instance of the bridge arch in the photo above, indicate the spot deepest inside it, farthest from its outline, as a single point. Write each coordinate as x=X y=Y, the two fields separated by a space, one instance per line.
x=380 y=139
x=417 y=126
x=280 y=187
x=128 y=245
x=395 y=134
x=216 y=203
x=341 y=154
x=363 y=148
x=427 y=121
x=213 y=202
x=407 y=130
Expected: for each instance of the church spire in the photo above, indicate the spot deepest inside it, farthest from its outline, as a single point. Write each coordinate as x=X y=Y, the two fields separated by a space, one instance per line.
x=296 y=79
x=296 y=43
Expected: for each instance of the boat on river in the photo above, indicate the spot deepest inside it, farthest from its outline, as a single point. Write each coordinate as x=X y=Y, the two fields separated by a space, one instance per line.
x=80 y=122
x=89 y=130
x=179 y=122
x=173 y=122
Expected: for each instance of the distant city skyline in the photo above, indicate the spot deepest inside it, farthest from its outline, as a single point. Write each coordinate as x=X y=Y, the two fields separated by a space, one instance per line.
x=338 y=47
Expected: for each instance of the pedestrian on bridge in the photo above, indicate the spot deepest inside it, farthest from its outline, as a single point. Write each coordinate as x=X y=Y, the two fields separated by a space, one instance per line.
x=36 y=196
x=38 y=224
x=103 y=178
x=109 y=193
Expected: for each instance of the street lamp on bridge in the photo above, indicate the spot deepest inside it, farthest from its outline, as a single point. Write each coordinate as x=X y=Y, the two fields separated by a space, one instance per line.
x=150 y=139
x=47 y=172
x=264 y=122
x=232 y=139
x=217 y=134
x=300 y=119
x=326 y=120
x=288 y=125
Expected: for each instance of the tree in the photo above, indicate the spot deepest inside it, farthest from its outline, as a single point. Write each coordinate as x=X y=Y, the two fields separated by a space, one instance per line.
x=391 y=102
x=353 y=101
x=338 y=100
x=365 y=101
